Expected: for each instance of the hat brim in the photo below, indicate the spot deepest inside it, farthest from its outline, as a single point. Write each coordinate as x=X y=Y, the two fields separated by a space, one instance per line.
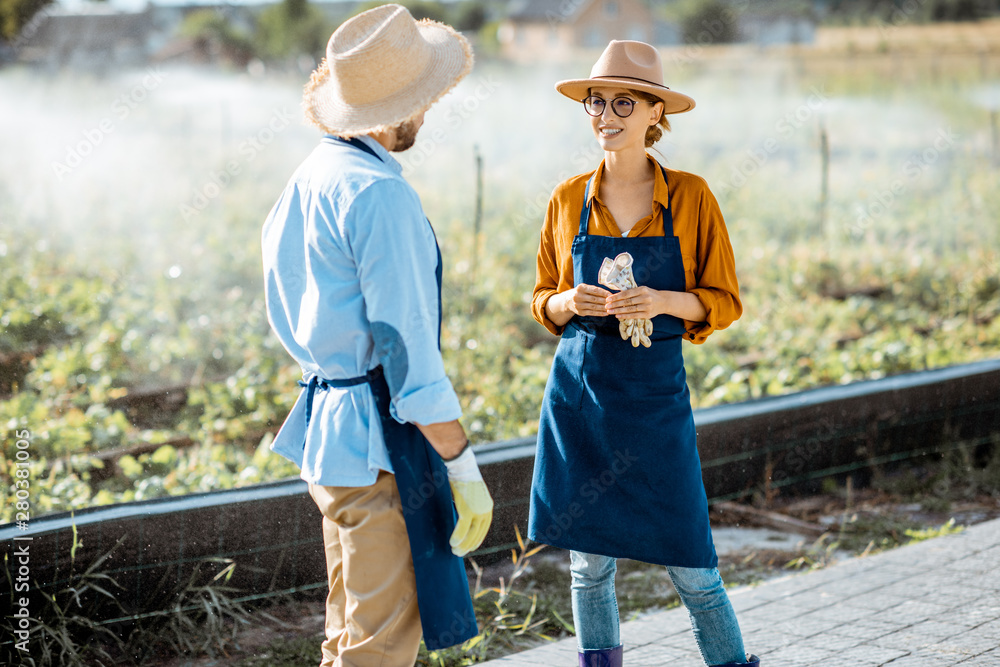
x=451 y=60
x=673 y=102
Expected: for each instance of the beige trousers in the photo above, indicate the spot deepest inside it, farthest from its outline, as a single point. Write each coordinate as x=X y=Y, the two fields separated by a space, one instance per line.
x=372 y=619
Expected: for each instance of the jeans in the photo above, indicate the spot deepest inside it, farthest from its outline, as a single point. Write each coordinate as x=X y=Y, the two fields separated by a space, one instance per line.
x=595 y=607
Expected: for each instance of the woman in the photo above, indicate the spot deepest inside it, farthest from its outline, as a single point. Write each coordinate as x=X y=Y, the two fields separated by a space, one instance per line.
x=617 y=473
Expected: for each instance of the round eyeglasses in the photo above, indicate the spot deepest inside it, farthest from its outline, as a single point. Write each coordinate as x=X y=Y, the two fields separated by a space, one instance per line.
x=622 y=106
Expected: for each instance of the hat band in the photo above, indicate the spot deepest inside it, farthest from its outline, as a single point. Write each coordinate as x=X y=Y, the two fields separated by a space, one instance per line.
x=632 y=78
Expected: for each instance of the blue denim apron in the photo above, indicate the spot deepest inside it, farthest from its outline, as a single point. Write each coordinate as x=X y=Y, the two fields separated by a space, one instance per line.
x=617 y=471
x=443 y=597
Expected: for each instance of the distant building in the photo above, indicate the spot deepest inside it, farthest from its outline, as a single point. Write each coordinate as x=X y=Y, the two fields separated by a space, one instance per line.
x=555 y=29
x=93 y=37
x=97 y=36
x=769 y=27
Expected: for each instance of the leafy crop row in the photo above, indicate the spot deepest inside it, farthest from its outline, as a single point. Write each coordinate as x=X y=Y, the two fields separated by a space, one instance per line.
x=140 y=359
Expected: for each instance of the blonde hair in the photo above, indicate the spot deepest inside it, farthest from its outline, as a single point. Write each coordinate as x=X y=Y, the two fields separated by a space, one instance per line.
x=654 y=132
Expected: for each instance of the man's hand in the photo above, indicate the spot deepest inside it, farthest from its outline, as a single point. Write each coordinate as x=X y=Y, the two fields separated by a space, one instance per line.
x=472 y=501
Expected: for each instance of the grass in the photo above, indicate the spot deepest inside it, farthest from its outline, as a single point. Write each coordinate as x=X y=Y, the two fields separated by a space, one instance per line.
x=293 y=652
x=65 y=626
x=513 y=615
x=82 y=623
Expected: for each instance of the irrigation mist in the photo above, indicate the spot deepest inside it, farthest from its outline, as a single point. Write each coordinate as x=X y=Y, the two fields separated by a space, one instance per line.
x=147 y=164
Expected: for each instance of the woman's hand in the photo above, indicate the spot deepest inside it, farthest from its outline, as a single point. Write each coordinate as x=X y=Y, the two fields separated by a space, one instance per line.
x=585 y=300
x=646 y=303
x=635 y=304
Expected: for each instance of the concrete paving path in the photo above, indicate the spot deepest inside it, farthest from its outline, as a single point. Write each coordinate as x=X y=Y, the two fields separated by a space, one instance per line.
x=931 y=604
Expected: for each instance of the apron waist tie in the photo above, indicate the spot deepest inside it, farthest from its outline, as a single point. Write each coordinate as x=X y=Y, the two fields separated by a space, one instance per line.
x=317 y=383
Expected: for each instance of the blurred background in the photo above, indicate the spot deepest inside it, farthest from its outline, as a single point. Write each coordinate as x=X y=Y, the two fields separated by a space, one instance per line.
x=853 y=146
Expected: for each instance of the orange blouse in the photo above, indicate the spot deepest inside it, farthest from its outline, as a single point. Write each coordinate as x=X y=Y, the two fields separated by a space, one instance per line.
x=709 y=266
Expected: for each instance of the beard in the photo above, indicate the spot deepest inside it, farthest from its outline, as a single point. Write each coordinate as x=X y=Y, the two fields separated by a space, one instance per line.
x=406 y=136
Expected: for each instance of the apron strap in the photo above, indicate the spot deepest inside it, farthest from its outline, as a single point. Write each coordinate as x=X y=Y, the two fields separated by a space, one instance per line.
x=317 y=383
x=668 y=217
x=585 y=213
x=357 y=143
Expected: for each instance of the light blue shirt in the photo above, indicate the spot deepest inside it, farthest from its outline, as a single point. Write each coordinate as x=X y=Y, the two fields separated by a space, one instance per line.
x=349 y=268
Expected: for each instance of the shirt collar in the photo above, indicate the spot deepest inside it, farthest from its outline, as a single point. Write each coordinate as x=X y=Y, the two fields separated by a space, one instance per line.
x=661 y=193
x=380 y=150
x=382 y=153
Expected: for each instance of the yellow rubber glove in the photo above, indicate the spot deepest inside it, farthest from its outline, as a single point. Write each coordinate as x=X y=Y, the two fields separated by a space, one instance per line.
x=475 y=513
x=472 y=502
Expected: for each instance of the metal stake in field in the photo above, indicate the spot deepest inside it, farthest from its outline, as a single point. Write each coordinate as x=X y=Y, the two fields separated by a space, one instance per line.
x=477 y=221
x=995 y=134
x=824 y=192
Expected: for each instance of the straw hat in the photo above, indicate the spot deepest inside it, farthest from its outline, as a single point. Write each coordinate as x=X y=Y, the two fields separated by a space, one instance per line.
x=626 y=64
x=381 y=68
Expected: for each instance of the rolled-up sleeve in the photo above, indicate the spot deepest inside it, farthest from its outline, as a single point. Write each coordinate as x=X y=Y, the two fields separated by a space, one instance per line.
x=396 y=255
x=547 y=273
x=716 y=285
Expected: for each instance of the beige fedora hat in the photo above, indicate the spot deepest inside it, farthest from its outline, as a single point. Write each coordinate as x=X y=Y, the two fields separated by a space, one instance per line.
x=628 y=64
x=381 y=68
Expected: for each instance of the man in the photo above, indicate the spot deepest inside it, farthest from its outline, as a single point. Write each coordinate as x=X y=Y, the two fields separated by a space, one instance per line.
x=353 y=275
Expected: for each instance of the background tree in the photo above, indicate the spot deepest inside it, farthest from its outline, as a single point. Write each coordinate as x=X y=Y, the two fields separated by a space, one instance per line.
x=712 y=22
x=420 y=9
x=469 y=16
x=962 y=10
x=292 y=28
x=16 y=14
x=216 y=38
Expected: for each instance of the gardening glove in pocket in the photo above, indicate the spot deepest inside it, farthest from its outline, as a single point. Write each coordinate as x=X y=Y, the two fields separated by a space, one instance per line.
x=472 y=501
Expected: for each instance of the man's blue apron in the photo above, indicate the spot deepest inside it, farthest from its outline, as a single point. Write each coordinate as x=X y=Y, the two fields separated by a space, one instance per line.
x=446 y=613
x=617 y=470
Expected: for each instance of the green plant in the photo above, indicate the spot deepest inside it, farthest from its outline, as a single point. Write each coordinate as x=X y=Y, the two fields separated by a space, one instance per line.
x=80 y=621
x=65 y=628
x=948 y=528
x=287 y=653
x=510 y=619
x=819 y=554
x=204 y=617
x=868 y=532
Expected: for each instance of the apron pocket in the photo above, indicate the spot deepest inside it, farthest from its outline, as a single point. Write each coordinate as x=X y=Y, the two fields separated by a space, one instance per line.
x=565 y=386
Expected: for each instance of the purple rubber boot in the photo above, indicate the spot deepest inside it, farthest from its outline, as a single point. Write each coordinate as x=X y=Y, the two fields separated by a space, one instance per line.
x=605 y=657
x=752 y=660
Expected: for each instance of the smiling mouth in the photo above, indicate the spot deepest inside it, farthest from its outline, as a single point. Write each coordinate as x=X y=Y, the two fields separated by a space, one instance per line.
x=609 y=132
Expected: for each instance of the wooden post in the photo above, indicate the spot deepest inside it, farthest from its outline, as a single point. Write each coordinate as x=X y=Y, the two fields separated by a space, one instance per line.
x=477 y=221
x=824 y=191
x=995 y=134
